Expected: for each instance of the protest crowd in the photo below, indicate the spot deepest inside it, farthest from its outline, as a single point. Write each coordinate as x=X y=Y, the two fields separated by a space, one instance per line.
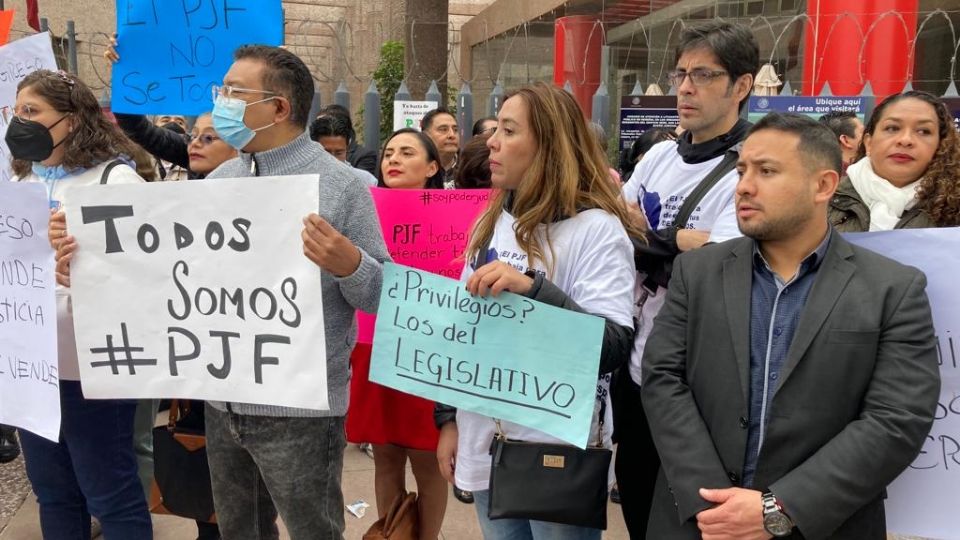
x=760 y=374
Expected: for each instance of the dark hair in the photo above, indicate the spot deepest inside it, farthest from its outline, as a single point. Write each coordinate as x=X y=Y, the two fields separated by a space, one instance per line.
x=818 y=146
x=174 y=127
x=329 y=126
x=478 y=125
x=341 y=112
x=435 y=181
x=473 y=171
x=643 y=145
x=733 y=44
x=286 y=74
x=94 y=138
x=939 y=191
x=428 y=118
x=840 y=123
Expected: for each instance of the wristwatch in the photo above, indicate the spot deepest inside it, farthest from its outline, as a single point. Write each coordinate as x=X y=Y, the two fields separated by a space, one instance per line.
x=775 y=521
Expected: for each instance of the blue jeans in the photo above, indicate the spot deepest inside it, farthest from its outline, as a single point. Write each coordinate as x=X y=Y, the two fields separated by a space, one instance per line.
x=91 y=470
x=525 y=529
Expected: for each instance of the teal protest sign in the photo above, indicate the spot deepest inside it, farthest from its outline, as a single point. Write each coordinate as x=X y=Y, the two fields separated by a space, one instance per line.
x=172 y=51
x=506 y=357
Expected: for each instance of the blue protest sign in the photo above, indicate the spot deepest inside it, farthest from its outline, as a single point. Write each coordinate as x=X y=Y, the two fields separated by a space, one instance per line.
x=173 y=52
x=506 y=357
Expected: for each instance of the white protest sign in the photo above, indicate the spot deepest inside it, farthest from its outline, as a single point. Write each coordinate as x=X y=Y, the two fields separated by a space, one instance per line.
x=199 y=290
x=17 y=60
x=922 y=501
x=29 y=387
x=408 y=114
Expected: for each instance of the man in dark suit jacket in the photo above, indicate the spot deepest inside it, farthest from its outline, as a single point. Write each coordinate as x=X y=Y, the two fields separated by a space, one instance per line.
x=790 y=376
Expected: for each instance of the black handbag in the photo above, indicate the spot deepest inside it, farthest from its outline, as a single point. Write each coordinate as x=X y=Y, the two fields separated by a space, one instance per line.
x=181 y=476
x=549 y=482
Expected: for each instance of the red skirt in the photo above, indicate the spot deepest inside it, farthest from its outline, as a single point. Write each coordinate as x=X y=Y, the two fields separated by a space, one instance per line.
x=382 y=415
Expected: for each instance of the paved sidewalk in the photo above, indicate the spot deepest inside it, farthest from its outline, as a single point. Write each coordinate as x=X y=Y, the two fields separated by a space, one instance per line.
x=460 y=522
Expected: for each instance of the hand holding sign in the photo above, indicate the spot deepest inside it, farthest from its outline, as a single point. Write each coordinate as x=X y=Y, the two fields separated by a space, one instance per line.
x=111 y=54
x=64 y=246
x=497 y=277
x=329 y=249
x=447 y=450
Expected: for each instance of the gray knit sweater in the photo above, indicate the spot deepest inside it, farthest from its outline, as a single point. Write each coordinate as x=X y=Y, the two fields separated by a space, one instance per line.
x=346 y=204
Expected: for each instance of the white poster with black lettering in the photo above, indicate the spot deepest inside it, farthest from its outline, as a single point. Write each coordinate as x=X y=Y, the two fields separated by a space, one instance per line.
x=199 y=290
x=17 y=60
x=29 y=386
x=922 y=501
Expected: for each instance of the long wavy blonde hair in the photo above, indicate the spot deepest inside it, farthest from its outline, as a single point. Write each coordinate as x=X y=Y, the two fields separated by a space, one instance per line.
x=569 y=174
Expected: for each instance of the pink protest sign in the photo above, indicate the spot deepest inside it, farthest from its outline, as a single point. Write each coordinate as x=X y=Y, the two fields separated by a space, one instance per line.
x=426 y=229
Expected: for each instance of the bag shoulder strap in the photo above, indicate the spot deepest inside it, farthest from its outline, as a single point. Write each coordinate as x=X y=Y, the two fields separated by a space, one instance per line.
x=726 y=165
x=106 y=170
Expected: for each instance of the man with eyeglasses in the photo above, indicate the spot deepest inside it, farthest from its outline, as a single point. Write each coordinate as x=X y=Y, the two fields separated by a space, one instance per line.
x=441 y=126
x=267 y=459
x=713 y=78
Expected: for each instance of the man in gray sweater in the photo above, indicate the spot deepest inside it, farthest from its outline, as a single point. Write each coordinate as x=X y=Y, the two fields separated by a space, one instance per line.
x=264 y=459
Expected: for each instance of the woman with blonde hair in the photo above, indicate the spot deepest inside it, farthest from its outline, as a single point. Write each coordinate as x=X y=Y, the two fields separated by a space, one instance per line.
x=567 y=233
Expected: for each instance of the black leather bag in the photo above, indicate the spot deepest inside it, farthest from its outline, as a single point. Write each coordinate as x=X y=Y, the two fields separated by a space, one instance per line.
x=181 y=476
x=549 y=482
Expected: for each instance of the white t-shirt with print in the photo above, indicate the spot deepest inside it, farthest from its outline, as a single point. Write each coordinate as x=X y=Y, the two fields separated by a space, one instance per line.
x=660 y=184
x=594 y=267
x=58 y=191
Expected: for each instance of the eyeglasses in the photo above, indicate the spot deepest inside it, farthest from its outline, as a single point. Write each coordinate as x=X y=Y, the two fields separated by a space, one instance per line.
x=229 y=91
x=24 y=113
x=699 y=77
x=204 y=139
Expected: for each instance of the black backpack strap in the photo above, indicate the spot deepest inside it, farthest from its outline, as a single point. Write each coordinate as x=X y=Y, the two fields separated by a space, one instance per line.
x=106 y=171
x=726 y=165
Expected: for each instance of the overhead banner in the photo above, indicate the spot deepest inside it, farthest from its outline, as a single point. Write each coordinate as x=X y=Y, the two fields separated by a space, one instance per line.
x=488 y=355
x=199 y=290
x=408 y=114
x=922 y=501
x=812 y=106
x=172 y=53
x=19 y=59
x=427 y=229
x=29 y=383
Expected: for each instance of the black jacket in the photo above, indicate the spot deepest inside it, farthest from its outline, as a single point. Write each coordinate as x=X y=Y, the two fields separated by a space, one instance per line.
x=161 y=143
x=361 y=158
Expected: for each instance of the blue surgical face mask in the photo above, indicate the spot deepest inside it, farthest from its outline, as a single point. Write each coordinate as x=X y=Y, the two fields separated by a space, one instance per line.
x=228 y=121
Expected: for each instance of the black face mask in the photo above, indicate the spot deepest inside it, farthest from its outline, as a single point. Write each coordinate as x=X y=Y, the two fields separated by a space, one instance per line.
x=31 y=141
